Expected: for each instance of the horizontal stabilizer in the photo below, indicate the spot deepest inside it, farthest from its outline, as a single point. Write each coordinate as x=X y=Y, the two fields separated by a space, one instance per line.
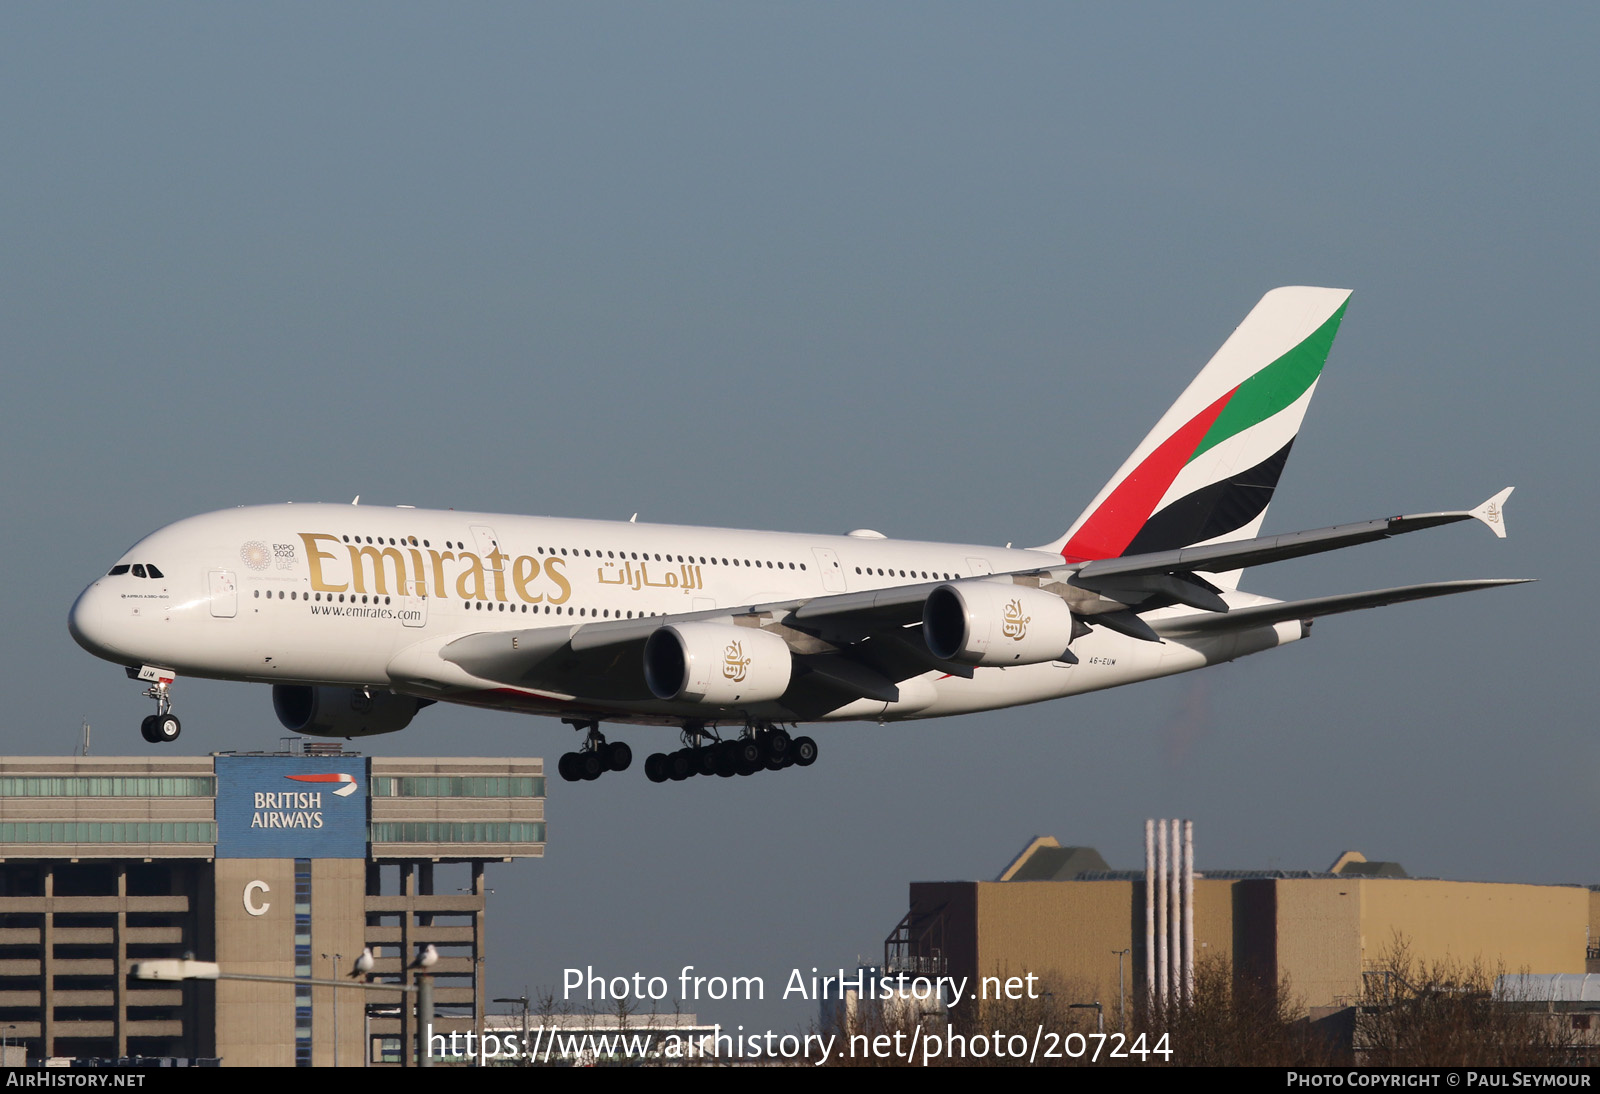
x=1265 y=615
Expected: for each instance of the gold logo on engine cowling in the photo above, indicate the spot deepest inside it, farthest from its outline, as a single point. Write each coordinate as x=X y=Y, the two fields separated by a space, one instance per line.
x=1492 y=514
x=734 y=663
x=1016 y=624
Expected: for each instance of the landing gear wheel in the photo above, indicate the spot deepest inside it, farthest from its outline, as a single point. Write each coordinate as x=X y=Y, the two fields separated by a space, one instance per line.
x=804 y=751
x=679 y=765
x=775 y=742
x=568 y=768
x=619 y=755
x=165 y=728
x=161 y=727
x=748 y=755
x=705 y=760
x=590 y=766
x=655 y=768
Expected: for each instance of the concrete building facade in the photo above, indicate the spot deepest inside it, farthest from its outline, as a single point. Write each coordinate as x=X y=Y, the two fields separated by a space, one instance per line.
x=1317 y=935
x=283 y=865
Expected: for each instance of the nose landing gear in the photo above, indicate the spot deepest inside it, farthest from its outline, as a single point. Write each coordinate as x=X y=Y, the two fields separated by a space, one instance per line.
x=162 y=727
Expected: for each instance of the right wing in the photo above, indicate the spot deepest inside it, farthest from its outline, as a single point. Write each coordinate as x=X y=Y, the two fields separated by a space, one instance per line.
x=1221 y=557
x=865 y=644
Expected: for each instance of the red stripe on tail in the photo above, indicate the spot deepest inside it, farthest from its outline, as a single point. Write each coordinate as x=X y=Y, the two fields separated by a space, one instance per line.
x=1110 y=528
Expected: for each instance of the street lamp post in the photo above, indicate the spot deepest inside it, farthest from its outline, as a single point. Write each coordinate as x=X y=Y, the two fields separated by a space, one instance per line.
x=521 y=1000
x=425 y=1017
x=335 y=958
x=186 y=968
x=1122 y=998
x=1099 y=1014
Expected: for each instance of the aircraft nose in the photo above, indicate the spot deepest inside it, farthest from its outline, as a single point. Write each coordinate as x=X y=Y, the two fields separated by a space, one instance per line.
x=89 y=622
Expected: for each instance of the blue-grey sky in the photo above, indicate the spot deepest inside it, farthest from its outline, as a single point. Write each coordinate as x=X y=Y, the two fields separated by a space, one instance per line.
x=928 y=268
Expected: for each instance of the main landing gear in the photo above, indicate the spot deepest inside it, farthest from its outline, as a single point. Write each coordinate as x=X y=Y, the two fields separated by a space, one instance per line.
x=762 y=747
x=595 y=757
x=162 y=727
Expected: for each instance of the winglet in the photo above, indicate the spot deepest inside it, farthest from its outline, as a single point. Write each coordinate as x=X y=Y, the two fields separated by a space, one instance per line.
x=1493 y=512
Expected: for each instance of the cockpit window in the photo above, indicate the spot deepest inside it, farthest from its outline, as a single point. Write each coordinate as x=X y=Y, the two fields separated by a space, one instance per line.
x=154 y=572
x=138 y=570
x=118 y=571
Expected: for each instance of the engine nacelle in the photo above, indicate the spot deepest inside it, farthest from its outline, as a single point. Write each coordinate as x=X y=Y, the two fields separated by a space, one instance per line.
x=987 y=623
x=341 y=712
x=716 y=663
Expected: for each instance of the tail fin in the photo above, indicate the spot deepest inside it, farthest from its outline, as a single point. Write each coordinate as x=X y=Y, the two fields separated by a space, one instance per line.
x=1207 y=470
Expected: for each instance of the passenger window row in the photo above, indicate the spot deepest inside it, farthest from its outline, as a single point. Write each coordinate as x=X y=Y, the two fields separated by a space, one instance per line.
x=597 y=613
x=934 y=576
x=704 y=560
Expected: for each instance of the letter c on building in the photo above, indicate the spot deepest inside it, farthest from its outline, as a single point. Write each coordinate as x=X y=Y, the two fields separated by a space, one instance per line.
x=250 y=891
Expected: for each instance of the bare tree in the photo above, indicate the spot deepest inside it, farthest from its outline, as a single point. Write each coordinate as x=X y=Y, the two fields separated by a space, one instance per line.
x=1445 y=1014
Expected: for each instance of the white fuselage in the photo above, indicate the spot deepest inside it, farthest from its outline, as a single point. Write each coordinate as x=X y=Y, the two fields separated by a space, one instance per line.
x=347 y=595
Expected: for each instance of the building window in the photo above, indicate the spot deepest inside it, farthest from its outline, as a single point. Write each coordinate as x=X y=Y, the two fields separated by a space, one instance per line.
x=458 y=786
x=108 y=832
x=108 y=786
x=458 y=832
x=302 y=962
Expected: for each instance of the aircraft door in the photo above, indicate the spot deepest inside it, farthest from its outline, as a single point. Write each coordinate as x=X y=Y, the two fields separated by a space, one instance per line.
x=224 y=590
x=832 y=572
x=414 y=611
x=487 y=543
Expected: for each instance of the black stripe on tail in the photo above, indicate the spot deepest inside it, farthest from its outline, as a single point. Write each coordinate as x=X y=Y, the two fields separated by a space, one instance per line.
x=1213 y=510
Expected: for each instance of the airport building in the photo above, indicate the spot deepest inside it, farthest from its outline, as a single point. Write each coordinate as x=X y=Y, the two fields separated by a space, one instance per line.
x=283 y=865
x=1063 y=914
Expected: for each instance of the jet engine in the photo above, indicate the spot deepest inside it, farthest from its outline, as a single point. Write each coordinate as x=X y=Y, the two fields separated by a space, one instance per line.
x=716 y=663
x=987 y=623
x=341 y=712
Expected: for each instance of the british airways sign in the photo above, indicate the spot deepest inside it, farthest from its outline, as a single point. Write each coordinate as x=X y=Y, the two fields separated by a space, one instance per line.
x=291 y=807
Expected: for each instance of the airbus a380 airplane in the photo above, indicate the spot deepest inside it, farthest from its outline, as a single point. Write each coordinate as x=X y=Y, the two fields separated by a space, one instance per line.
x=359 y=616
